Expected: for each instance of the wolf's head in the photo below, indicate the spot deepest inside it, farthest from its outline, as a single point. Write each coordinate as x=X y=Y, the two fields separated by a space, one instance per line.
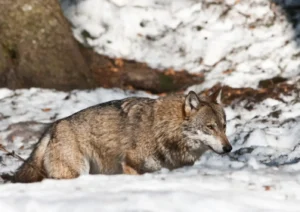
x=205 y=123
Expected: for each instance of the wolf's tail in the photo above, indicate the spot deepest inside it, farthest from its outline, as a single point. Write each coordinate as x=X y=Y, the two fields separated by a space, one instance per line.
x=32 y=169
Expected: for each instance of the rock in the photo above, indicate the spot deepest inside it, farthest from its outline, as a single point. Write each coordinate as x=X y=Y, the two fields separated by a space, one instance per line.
x=37 y=48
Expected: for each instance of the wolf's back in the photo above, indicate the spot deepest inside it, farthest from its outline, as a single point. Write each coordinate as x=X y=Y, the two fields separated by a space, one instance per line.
x=32 y=170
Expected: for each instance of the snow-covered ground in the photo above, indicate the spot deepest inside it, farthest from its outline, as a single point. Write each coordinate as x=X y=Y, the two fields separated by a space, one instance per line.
x=261 y=174
x=236 y=41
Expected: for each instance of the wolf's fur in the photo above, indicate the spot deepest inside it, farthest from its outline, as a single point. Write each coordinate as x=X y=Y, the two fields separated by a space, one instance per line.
x=133 y=136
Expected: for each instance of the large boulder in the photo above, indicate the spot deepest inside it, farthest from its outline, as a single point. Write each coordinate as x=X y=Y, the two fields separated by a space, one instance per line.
x=37 y=48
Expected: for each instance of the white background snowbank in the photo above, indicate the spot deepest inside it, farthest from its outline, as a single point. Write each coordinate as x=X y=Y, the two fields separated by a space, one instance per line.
x=253 y=38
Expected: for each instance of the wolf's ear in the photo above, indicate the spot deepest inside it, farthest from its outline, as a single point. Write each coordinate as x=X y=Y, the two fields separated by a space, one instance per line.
x=216 y=96
x=192 y=103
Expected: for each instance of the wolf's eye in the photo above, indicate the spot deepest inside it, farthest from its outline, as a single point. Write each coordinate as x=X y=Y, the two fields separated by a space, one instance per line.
x=210 y=126
x=224 y=126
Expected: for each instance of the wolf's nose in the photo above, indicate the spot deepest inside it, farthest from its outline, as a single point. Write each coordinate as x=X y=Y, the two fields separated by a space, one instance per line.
x=227 y=148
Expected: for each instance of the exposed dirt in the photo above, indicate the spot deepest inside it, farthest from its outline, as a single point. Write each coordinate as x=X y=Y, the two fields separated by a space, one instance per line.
x=272 y=88
x=133 y=75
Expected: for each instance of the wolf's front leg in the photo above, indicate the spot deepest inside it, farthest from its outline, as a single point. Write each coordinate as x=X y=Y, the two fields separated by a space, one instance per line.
x=128 y=169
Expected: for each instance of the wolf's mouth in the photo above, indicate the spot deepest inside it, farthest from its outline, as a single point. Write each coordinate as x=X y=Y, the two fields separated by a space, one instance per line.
x=212 y=149
x=220 y=153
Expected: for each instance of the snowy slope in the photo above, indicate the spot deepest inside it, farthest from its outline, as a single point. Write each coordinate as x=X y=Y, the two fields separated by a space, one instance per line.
x=250 y=39
x=261 y=174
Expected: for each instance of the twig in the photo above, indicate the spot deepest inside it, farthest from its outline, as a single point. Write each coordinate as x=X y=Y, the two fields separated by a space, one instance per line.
x=13 y=154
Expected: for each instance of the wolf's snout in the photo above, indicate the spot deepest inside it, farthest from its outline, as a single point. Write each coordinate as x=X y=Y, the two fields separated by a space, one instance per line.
x=227 y=148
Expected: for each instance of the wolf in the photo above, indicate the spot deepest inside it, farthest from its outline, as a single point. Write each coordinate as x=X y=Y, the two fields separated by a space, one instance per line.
x=130 y=136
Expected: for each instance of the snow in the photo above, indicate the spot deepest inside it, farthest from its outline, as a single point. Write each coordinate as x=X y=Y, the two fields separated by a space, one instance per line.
x=260 y=174
x=208 y=36
x=158 y=193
